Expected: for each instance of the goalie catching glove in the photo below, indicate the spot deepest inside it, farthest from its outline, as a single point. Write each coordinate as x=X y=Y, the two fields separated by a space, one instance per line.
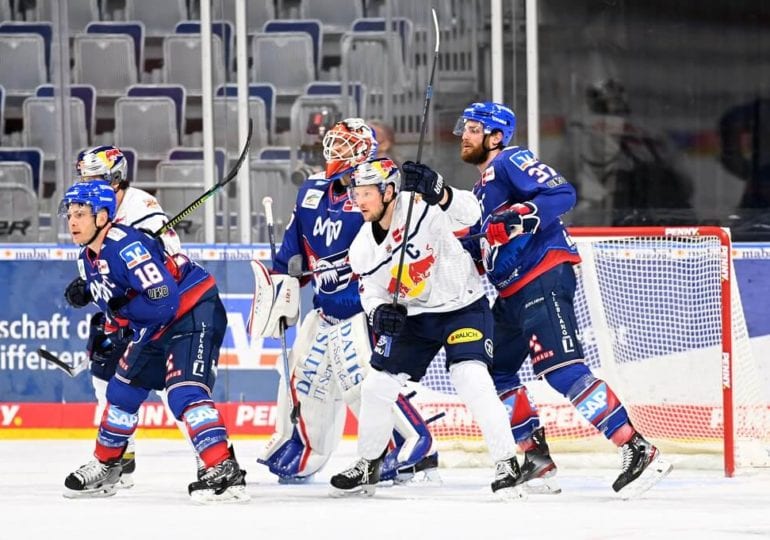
x=518 y=219
x=276 y=298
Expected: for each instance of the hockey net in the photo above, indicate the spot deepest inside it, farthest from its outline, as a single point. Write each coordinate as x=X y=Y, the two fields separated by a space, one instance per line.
x=662 y=323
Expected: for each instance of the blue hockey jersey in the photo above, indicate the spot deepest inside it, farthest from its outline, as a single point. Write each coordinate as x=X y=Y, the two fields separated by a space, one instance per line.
x=322 y=227
x=161 y=288
x=515 y=176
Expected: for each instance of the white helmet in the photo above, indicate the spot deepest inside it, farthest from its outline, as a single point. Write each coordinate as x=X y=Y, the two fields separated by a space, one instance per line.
x=106 y=162
x=350 y=142
x=377 y=172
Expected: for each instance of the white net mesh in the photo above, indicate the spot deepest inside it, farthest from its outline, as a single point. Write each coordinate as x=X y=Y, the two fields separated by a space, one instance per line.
x=649 y=308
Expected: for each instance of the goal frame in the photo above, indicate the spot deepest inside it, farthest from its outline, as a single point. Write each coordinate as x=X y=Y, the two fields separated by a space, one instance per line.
x=726 y=277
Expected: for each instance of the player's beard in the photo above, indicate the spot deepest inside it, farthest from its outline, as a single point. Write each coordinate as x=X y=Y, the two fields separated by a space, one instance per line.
x=475 y=156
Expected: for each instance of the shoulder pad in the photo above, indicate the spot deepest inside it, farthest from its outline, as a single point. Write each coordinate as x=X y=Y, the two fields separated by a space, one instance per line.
x=116 y=234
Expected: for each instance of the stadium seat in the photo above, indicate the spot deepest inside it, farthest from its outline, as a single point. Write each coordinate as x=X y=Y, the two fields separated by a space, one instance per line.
x=174 y=91
x=264 y=91
x=273 y=52
x=106 y=62
x=182 y=61
x=158 y=17
x=84 y=92
x=40 y=117
x=226 y=125
x=147 y=124
x=22 y=62
x=19 y=220
x=311 y=27
x=32 y=156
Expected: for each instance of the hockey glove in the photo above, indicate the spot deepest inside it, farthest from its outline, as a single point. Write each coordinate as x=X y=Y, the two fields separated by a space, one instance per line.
x=76 y=293
x=423 y=180
x=388 y=320
x=519 y=219
x=103 y=347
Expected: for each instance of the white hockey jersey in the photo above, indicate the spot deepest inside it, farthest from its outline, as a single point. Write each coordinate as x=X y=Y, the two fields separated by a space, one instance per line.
x=141 y=210
x=438 y=275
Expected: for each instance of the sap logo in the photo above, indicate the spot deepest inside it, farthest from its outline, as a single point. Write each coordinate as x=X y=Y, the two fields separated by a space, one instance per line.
x=201 y=415
x=116 y=417
x=595 y=403
x=327 y=227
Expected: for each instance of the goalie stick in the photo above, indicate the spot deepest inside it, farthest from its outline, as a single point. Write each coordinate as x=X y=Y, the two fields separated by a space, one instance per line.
x=423 y=128
x=267 y=202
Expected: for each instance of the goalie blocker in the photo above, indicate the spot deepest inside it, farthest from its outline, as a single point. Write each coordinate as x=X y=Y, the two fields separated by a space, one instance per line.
x=328 y=362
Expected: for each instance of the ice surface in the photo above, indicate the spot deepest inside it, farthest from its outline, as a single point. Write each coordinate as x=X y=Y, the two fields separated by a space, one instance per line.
x=689 y=504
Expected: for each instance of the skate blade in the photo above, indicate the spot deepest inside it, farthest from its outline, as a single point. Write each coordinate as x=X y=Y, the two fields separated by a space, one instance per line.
x=126 y=481
x=514 y=493
x=295 y=480
x=654 y=473
x=542 y=486
x=421 y=478
x=98 y=493
x=360 y=491
x=232 y=495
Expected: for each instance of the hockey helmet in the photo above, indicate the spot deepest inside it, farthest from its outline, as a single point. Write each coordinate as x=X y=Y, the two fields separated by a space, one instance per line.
x=98 y=194
x=347 y=144
x=106 y=162
x=376 y=172
x=493 y=116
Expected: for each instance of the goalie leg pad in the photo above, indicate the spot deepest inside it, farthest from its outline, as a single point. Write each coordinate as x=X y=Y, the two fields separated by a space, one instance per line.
x=594 y=400
x=350 y=348
x=297 y=453
x=412 y=440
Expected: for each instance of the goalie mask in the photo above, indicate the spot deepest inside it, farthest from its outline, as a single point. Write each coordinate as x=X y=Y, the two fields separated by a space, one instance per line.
x=349 y=143
x=105 y=163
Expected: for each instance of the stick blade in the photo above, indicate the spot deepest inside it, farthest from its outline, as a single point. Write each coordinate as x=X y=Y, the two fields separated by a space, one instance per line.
x=49 y=357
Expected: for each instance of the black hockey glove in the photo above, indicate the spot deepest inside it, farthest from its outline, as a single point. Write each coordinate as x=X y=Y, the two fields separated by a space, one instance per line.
x=103 y=348
x=76 y=293
x=422 y=179
x=388 y=320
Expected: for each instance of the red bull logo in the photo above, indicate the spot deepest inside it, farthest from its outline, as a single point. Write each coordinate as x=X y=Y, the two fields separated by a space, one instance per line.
x=413 y=276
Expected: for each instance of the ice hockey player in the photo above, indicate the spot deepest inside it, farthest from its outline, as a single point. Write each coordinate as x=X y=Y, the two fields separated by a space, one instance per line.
x=528 y=256
x=442 y=304
x=138 y=209
x=166 y=313
x=330 y=356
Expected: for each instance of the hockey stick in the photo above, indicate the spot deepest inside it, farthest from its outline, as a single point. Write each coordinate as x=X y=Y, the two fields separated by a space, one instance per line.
x=119 y=302
x=210 y=193
x=62 y=365
x=267 y=202
x=423 y=128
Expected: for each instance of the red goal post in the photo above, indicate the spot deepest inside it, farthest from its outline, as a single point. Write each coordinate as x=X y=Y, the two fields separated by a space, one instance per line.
x=662 y=322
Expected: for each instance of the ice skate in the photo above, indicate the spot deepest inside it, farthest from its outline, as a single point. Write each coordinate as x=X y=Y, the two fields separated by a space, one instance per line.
x=508 y=479
x=360 y=479
x=222 y=483
x=643 y=467
x=539 y=470
x=127 y=466
x=94 y=479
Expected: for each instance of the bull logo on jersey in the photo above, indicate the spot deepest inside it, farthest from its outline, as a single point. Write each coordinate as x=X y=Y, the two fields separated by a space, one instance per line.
x=414 y=274
x=332 y=273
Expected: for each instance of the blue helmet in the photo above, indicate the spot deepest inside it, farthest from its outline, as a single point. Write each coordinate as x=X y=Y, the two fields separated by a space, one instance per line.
x=98 y=194
x=492 y=116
